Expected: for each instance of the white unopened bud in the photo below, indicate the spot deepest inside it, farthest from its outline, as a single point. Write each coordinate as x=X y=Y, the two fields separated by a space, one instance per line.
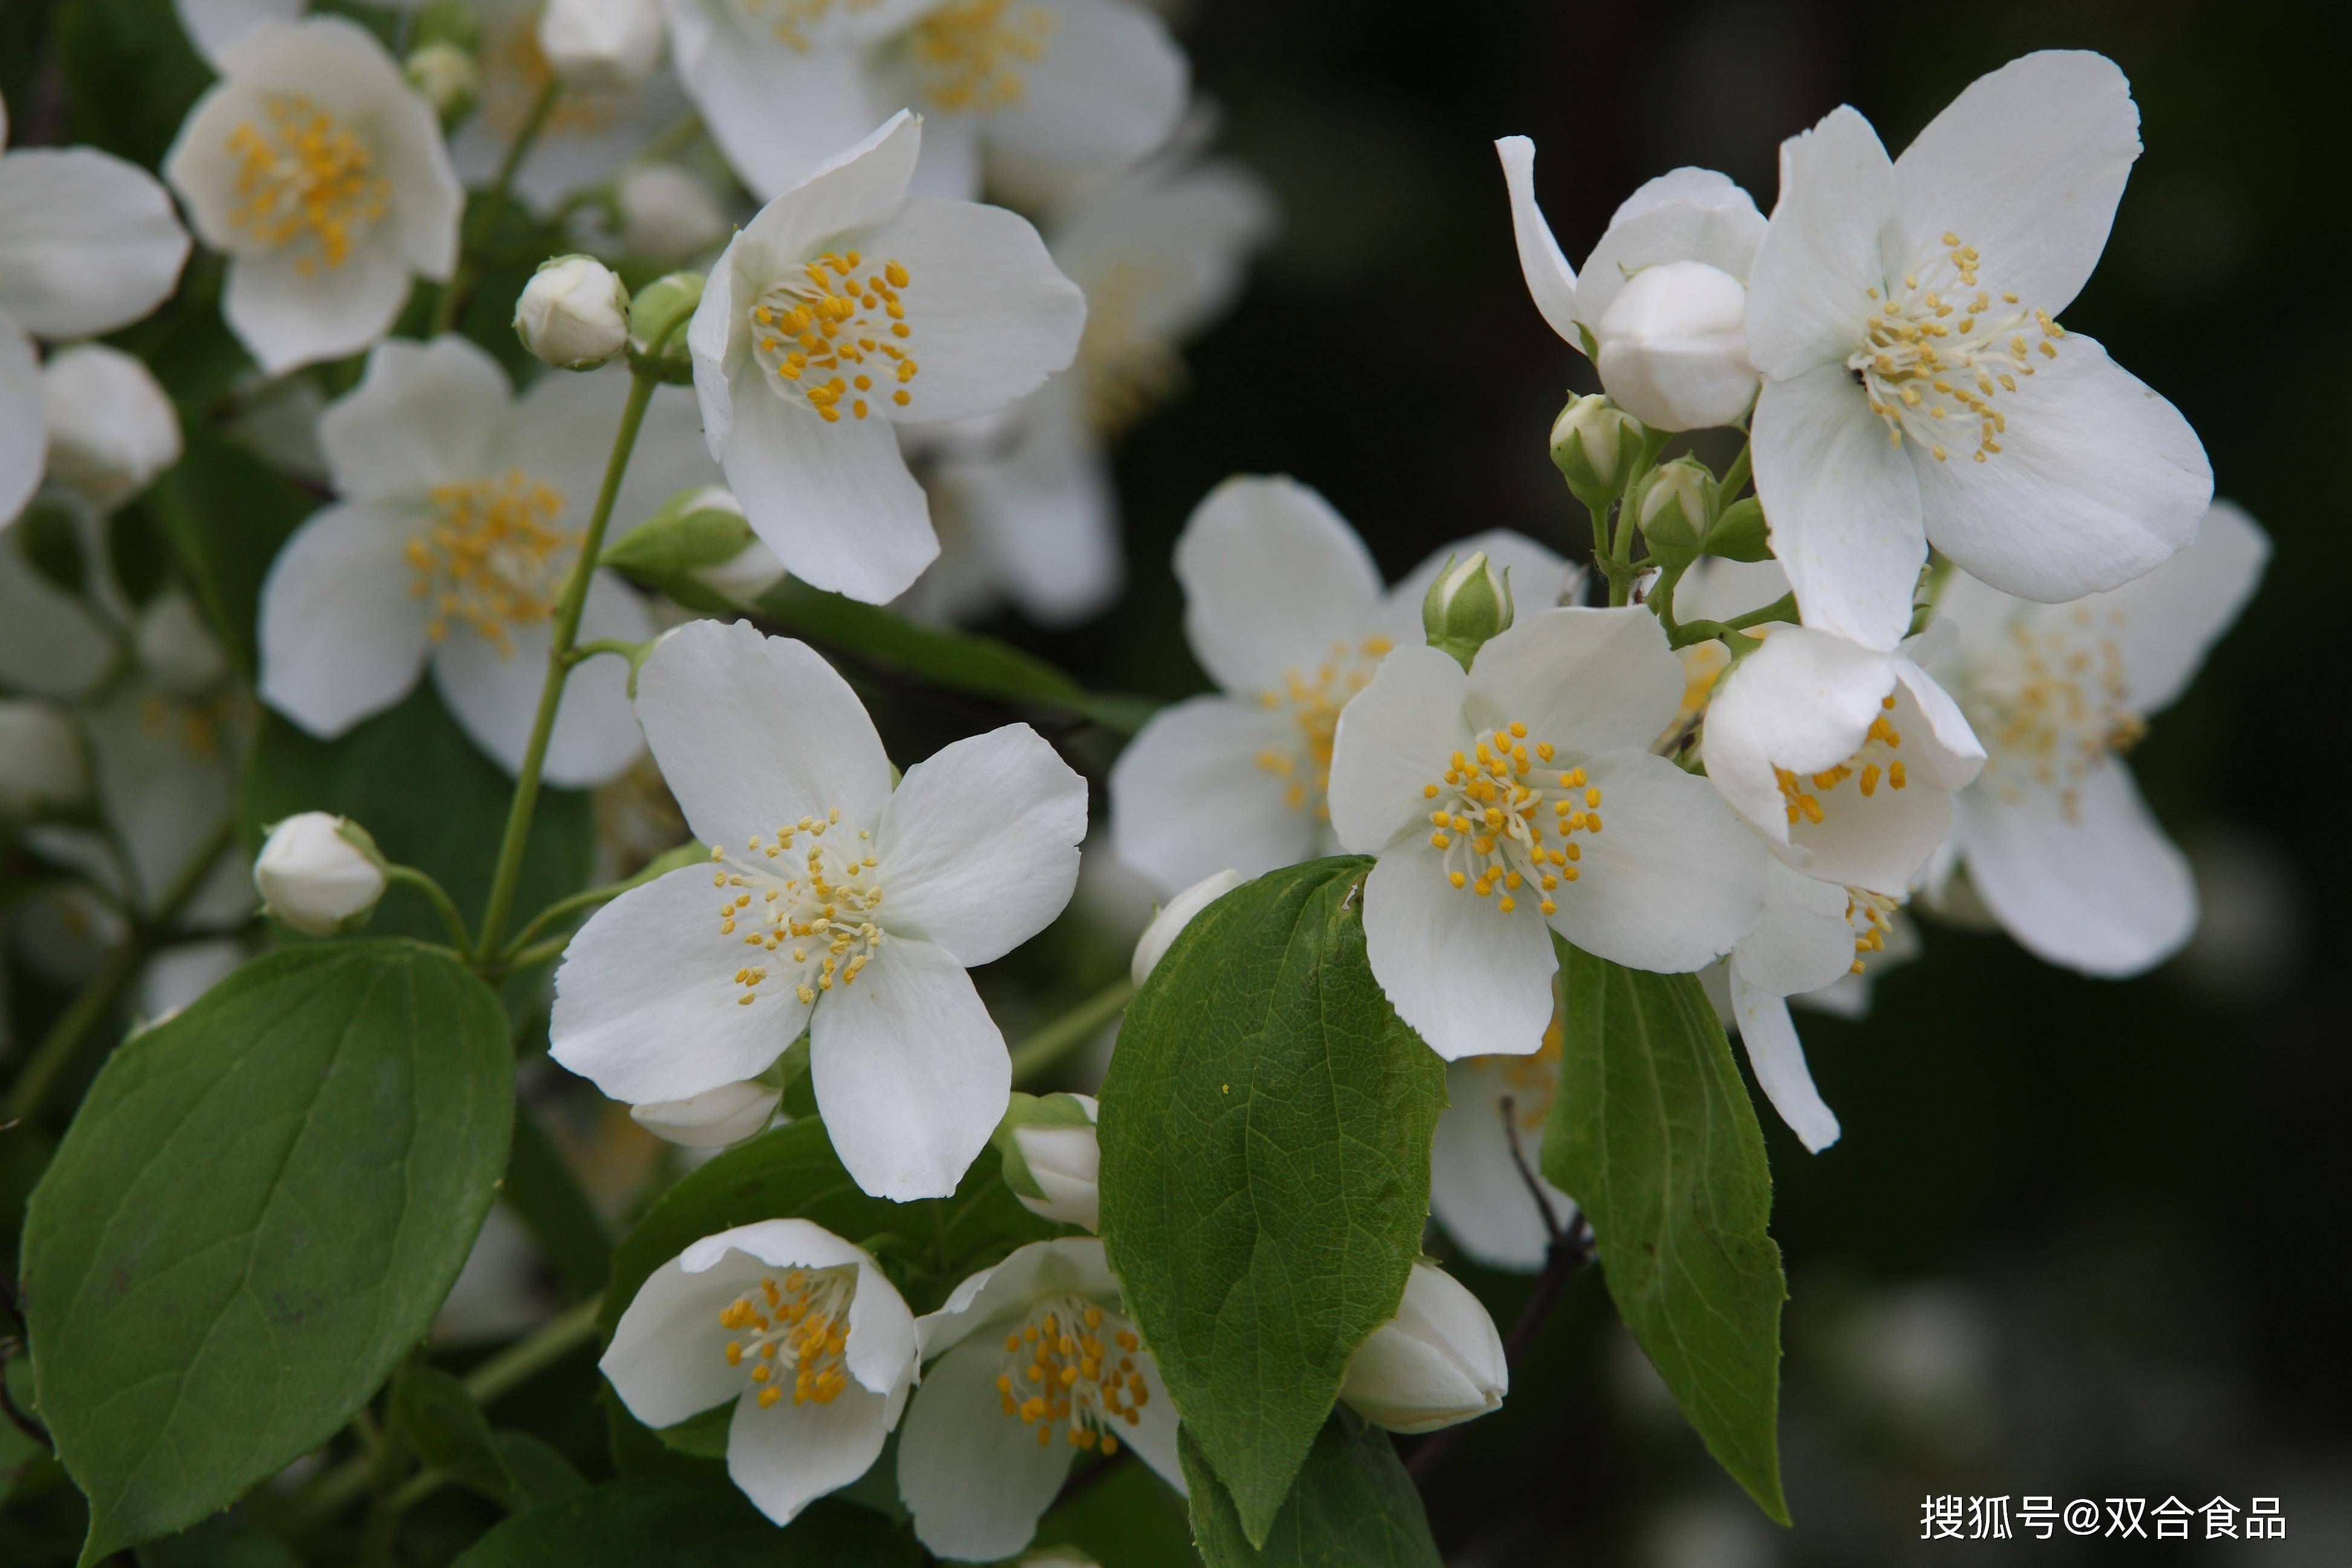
x=41 y=765
x=669 y=214
x=1438 y=1361
x=573 y=313
x=1176 y=914
x=319 y=874
x=1674 y=347
x=177 y=649
x=446 y=75
x=713 y=1119
x=1590 y=440
x=1060 y=1156
x=111 y=429
x=601 y=45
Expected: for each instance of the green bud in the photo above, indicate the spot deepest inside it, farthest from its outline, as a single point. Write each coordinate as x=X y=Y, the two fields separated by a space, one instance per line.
x=1738 y=532
x=669 y=298
x=1674 y=509
x=1592 y=441
x=1469 y=602
x=699 y=551
x=450 y=22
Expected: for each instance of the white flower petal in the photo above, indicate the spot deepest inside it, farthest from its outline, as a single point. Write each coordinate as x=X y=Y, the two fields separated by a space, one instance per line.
x=341 y=635
x=754 y=733
x=287 y=319
x=1476 y=1191
x=1074 y=1263
x=1467 y=978
x=979 y=845
x=858 y=187
x=1192 y=230
x=787 y=1455
x=1803 y=942
x=1807 y=287
x=1671 y=882
x=1778 y=1058
x=1108 y=90
x=645 y=1005
x=665 y=1360
x=213 y=24
x=1188 y=797
x=1274 y=578
x=910 y=1072
x=1803 y=701
x=1716 y=588
x=1584 y=679
x=834 y=502
x=1844 y=502
x=1688 y=214
x=1046 y=512
x=2163 y=624
x=1551 y=281
x=24 y=437
x=880 y=1353
x=976 y=1479
x=774 y=111
x=88 y=242
x=1394 y=739
x=50 y=644
x=424 y=414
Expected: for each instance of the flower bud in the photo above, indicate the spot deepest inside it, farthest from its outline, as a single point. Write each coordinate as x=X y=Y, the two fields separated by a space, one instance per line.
x=573 y=313
x=319 y=874
x=175 y=648
x=41 y=765
x=1438 y=1361
x=111 y=429
x=713 y=1119
x=667 y=214
x=445 y=76
x=1176 y=914
x=698 y=549
x=603 y=45
x=1053 y=1160
x=669 y=299
x=1674 y=347
x=1590 y=442
x=1676 y=509
x=1469 y=602
x=1739 y=531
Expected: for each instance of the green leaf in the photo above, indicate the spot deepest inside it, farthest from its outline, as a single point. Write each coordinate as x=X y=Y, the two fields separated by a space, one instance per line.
x=226 y=513
x=130 y=76
x=1354 y=1507
x=1130 y=1519
x=687 y=1524
x=546 y=1196
x=256 y=1212
x=541 y=1474
x=1653 y=1133
x=958 y=662
x=1266 y=1130
x=445 y=1427
x=431 y=798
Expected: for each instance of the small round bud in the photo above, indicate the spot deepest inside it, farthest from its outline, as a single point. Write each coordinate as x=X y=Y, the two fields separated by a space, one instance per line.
x=667 y=300
x=1438 y=1361
x=603 y=45
x=712 y=1120
x=573 y=313
x=1591 y=441
x=1674 y=347
x=445 y=76
x=319 y=874
x=1173 y=916
x=669 y=214
x=1469 y=602
x=175 y=648
x=111 y=429
x=41 y=766
x=1676 y=509
x=1053 y=1160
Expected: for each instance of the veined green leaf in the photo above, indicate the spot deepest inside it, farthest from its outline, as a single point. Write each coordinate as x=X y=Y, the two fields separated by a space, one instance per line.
x=1353 y=1507
x=676 y=1523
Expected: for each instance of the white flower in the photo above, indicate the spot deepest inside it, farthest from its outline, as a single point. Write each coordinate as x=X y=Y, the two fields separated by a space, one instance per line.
x=711 y=1120
x=1061 y=1155
x=111 y=429
x=88 y=243
x=1058 y=89
x=2053 y=835
x=830 y=894
x=1843 y=757
x=1283 y=608
x=1437 y=1363
x=842 y=310
x=1475 y=1190
x=1917 y=388
x=460 y=518
x=798 y=1328
x=601 y=45
x=41 y=765
x=320 y=173
x=1174 y=915
x=669 y=214
x=1659 y=306
x=1520 y=799
x=573 y=313
x=1028 y=1364
x=321 y=874
x=213 y=24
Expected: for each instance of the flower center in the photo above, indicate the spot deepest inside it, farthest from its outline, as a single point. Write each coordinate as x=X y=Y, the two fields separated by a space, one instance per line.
x=491 y=556
x=1314 y=706
x=302 y=175
x=790 y=20
x=806 y=903
x=798 y=1326
x=1874 y=761
x=1941 y=343
x=826 y=335
x=1505 y=818
x=969 y=53
x=1056 y=1371
x=2055 y=709
x=1872 y=916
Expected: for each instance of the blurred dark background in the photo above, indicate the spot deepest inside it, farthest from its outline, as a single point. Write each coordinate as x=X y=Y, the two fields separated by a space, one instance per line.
x=2081 y=1238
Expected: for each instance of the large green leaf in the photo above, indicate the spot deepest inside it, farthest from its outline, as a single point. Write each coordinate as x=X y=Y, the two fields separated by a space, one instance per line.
x=1652 y=1132
x=1265 y=1129
x=1354 y=1507
x=680 y=1523
x=258 y=1210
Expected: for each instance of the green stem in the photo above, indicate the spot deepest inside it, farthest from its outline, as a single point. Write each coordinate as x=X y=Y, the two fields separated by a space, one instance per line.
x=1735 y=477
x=1045 y=1049
x=621 y=646
x=494 y=206
x=535 y=1352
x=438 y=897
x=1621 y=544
x=576 y=902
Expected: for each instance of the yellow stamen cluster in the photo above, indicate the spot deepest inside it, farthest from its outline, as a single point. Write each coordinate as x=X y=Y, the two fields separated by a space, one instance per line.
x=1074 y=1366
x=2055 y=707
x=1498 y=812
x=1314 y=704
x=1927 y=353
x=827 y=334
x=1875 y=760
x=816 y=926
x=1872 y=916
x=303 y=175
x=491 y=556
x=969 y=53
x=800 y=1327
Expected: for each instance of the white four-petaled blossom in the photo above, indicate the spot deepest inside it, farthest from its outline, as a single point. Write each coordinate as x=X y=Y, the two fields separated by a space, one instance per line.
x=833 y=903
x=1437 y=1363
x=798 y=1328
